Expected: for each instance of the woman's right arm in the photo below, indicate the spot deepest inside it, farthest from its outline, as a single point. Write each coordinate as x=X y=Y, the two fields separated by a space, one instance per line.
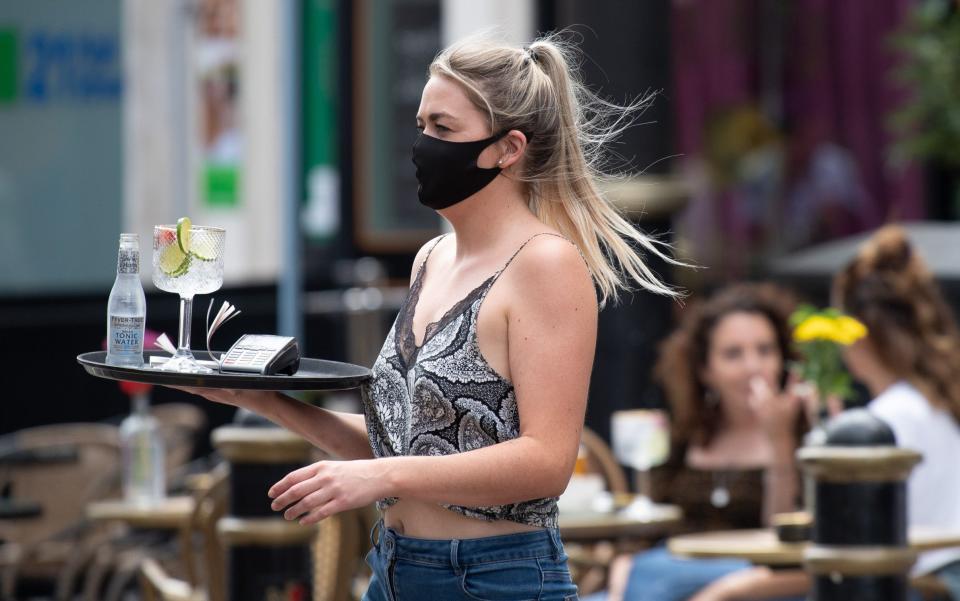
x=778 y=413
x=343 y=435
x=340 y=434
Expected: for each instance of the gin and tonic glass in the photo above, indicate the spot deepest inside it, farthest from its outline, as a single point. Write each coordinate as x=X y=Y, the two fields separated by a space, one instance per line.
x=187 y=260
x=641 y=440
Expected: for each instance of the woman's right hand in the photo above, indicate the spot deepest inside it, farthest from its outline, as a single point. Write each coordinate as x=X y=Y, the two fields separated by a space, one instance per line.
x=252 y=400
x=776 y=410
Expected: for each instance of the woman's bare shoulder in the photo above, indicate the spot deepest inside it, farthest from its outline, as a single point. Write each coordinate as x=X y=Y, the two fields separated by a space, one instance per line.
x=551 y=265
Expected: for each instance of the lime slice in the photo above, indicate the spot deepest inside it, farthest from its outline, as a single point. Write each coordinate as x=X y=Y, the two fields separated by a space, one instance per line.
x=173 y=262
x=183 y=234
x=204 y=248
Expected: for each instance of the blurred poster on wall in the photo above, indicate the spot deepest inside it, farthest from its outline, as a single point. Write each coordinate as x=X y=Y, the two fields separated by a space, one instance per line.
x=395 y=43
x=218 y=70
x=60 y=145
x=321 y=210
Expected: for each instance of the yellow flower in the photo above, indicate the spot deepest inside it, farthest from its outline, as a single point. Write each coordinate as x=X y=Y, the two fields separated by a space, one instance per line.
x=843 y=330
x=849 y=330
x=815 y=327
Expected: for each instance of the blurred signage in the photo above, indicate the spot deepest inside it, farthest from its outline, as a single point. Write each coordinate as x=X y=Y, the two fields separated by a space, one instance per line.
x=58 y=65
x=397 y=40
x=218 y=68
x=61 y=83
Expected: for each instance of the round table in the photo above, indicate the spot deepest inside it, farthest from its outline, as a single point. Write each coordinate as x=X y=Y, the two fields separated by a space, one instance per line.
x=763 y=547
x=619 y=525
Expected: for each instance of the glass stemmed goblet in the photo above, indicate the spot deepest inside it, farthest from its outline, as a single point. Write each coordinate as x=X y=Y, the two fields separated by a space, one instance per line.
x=641 y=440
x=187 y=260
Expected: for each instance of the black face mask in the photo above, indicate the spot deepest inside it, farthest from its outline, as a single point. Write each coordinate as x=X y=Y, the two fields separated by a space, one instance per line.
x=448 y=171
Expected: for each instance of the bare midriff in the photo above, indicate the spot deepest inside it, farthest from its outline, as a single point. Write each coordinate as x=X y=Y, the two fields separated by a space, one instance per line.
x=427 y=520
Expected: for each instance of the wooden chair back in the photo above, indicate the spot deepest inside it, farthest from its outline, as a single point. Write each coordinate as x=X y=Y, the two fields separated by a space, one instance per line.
x=600 y=459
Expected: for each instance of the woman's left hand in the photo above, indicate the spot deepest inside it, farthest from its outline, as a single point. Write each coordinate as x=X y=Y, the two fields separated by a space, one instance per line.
x=325 y=488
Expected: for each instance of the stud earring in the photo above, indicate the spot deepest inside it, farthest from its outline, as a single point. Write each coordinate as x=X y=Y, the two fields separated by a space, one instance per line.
x=500 y=162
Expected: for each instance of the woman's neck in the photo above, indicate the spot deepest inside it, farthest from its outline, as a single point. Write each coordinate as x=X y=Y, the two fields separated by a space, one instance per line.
x=737 y=417
x=498 y=212
x=877 y=381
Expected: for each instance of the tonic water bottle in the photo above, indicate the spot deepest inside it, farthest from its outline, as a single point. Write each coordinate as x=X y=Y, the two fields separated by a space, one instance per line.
x=127 y=307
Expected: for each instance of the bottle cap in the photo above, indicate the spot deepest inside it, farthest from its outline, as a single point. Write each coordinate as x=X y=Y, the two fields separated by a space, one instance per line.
x=130 y=240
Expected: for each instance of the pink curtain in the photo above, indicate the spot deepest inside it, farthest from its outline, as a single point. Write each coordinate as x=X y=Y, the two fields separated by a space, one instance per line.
x=839 y=83
x=815 y=75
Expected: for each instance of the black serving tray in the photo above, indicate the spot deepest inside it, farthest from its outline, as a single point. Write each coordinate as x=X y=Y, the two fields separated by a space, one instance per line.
x=314 y=374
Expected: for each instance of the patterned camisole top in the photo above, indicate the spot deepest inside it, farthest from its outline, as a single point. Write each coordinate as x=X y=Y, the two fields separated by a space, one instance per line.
x=442 y=397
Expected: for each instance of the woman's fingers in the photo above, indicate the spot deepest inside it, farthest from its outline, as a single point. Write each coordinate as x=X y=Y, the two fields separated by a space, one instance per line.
x=217 y=395
x=321 y=513
x=294 y=477
x=760 y=394
x=306 y=495
x=776 y=410
x=310 y=502
x=204 y=392
x=296 y=492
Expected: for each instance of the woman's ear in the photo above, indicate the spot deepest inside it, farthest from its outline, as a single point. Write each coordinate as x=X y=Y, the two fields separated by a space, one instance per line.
x=511 y=148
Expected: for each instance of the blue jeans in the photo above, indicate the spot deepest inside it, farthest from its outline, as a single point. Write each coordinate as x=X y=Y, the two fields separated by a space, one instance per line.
x=528 y=566
x=949 y=575
x=658 y=575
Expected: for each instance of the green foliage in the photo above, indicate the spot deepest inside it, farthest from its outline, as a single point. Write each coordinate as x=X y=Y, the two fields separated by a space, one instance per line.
x=928 y=125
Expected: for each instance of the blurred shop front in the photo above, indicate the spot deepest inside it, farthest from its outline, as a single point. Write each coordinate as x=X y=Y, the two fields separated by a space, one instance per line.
x=287 y=123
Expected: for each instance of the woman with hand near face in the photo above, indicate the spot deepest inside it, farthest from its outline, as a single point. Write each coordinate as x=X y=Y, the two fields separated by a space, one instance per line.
x=472 y=422
x=736 y=422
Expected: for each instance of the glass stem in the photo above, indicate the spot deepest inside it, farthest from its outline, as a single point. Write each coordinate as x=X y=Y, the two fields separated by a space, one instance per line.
x=186 y=316
x=643 y=483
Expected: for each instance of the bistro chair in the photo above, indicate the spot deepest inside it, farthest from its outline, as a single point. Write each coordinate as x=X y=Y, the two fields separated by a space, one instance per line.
x=60 y=468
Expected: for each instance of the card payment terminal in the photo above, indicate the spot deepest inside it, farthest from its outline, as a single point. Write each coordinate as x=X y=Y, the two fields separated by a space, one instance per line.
x=262 y=354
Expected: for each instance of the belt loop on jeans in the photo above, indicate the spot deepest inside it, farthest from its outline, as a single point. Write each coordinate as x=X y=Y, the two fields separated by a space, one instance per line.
x=556 y=543
x=376 y=532
x=388 y=544
x=454 y=559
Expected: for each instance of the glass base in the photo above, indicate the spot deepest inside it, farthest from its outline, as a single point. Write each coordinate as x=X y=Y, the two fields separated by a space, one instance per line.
x=185 y=363
x=642 y=508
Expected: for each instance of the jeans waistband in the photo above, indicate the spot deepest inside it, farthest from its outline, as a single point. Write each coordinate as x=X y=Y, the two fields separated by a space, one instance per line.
x=470 y=551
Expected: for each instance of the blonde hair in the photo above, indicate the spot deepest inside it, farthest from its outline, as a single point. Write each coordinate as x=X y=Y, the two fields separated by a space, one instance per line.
x=888 y=287
x=537 y=90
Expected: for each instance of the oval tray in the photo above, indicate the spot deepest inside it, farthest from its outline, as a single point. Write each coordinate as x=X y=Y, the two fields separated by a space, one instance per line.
x=314 y=374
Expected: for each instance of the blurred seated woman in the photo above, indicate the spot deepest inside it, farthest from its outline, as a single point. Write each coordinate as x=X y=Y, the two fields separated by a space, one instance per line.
x=910 y=363
x=736 y=422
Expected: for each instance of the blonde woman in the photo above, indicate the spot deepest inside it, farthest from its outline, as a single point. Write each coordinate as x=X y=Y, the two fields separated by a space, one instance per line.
x=472 y=422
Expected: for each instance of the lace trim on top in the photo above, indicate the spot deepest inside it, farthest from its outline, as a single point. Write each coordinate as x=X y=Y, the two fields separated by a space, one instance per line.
x=405 y=337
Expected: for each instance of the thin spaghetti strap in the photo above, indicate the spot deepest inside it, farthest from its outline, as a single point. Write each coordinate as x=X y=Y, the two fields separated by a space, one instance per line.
x=517 y=252
x=424 y=262
x=493 y=279
x=525 y=242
